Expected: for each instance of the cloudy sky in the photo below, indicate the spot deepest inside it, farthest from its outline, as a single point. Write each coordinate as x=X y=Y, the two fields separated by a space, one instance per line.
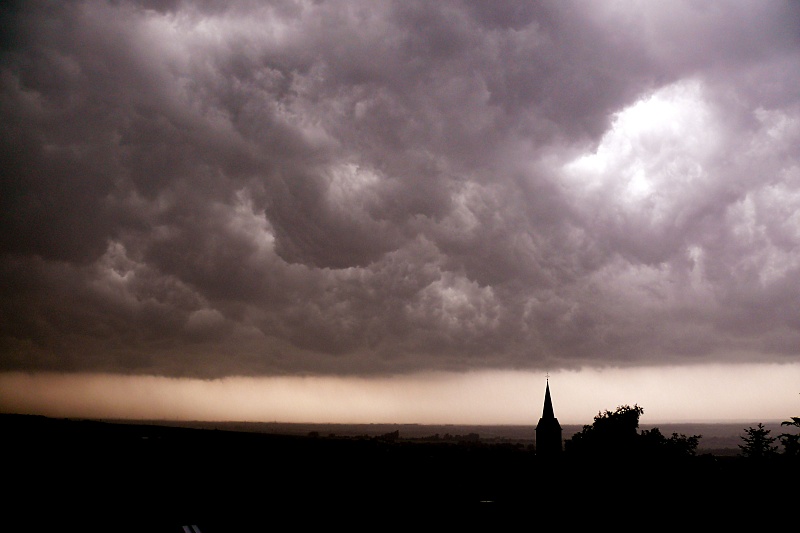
x=399 y=210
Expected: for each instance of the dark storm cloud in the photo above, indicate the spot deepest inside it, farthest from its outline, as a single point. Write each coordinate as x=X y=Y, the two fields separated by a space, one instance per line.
x=214 y=188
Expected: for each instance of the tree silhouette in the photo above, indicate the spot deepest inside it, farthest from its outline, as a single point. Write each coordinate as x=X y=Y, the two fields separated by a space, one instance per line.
x=791 y=441
x=758 y=443
x=614 y=434
x=653 y=443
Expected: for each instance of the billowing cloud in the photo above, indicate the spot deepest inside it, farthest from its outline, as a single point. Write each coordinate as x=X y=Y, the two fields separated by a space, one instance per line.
x=275 y=188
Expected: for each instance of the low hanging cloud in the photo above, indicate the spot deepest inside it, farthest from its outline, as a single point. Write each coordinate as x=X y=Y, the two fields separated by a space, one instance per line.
x=271 y=188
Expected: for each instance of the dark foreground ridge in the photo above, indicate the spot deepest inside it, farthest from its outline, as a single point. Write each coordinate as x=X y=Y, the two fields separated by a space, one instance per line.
x=84 y=475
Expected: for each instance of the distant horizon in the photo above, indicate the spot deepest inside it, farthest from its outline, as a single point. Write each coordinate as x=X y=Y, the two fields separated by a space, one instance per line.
x=719 y=438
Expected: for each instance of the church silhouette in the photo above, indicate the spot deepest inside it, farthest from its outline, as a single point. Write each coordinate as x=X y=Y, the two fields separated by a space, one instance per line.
x=548 y=430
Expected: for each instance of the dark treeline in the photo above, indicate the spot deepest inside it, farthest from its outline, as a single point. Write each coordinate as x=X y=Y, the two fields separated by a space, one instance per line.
x=154 y=477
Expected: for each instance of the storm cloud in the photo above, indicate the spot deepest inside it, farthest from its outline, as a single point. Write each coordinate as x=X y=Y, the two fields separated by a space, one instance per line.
x=373 y=187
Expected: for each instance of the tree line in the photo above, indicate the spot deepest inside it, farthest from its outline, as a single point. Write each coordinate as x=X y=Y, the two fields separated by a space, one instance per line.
x=615 y=434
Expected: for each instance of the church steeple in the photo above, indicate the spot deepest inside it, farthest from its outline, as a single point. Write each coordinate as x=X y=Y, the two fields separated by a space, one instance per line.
x=548 y=430
x=547 y=412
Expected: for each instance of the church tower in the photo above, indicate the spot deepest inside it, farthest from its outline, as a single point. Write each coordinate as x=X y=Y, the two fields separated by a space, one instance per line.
x=548 y=431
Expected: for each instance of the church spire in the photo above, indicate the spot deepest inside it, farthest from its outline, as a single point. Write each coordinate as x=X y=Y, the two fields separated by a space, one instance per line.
x=547 y=412
x=548 y=431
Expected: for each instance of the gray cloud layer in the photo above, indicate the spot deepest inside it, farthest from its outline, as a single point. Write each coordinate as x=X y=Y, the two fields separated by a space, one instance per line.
x=214 y=188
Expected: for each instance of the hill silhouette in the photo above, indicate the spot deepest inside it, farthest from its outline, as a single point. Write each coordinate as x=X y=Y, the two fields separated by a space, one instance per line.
x=156 y=477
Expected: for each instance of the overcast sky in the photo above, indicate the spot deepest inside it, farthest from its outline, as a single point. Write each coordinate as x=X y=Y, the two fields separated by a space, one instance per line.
x=366 y=188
